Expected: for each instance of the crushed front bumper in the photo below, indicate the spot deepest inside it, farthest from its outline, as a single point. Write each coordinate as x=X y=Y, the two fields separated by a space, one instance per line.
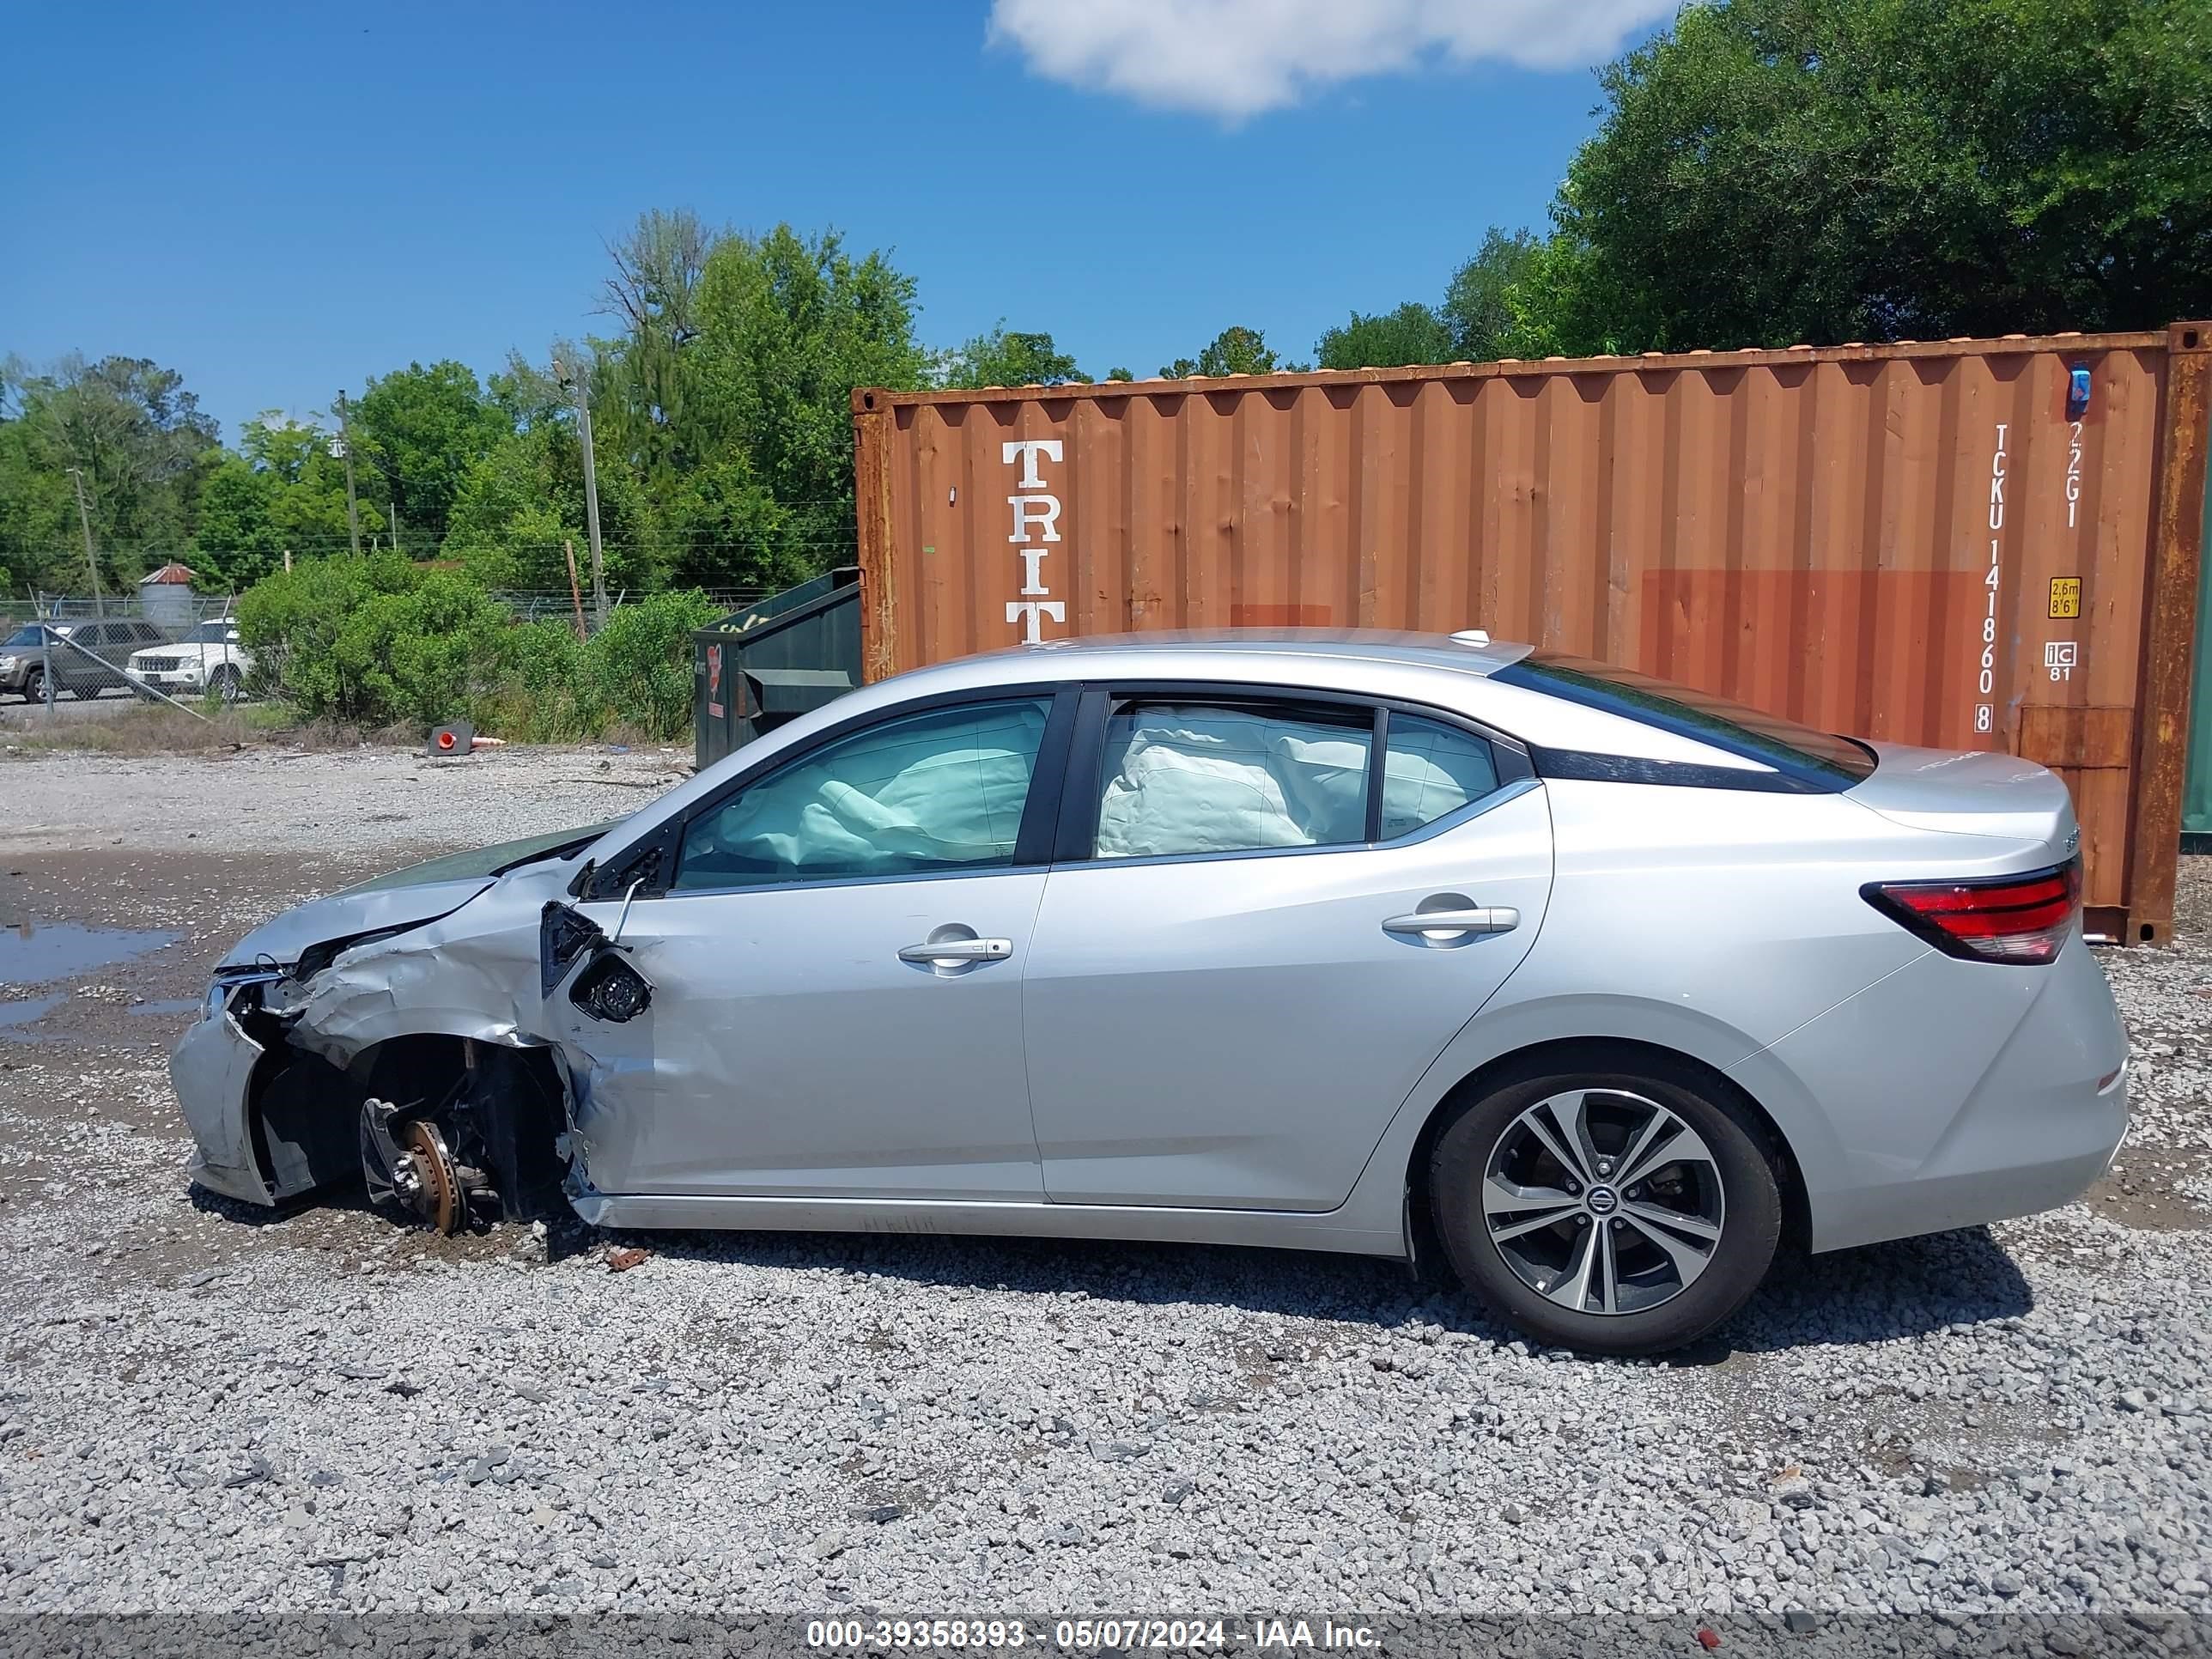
x=211 y=1069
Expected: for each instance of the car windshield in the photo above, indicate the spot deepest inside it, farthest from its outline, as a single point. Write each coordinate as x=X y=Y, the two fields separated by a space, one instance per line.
x=211 y=633
x=1815 y=756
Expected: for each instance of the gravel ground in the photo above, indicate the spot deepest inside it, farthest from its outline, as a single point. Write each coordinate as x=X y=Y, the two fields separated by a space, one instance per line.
x=201 y=1408
x=381 y=803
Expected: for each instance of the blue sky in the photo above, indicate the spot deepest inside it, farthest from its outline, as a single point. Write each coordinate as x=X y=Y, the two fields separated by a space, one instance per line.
x=281 y=201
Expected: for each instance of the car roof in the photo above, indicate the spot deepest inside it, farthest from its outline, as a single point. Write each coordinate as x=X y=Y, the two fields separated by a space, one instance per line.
x=1471 y=652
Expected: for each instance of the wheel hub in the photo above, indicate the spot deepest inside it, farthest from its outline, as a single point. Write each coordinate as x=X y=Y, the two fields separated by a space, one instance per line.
x=1604 y=1201
x=430 y=1182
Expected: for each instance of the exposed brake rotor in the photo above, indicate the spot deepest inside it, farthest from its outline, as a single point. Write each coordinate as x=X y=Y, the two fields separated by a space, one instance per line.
x=437 y=1194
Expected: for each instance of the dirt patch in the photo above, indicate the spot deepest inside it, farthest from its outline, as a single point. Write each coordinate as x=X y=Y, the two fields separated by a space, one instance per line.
x=2144 y=1195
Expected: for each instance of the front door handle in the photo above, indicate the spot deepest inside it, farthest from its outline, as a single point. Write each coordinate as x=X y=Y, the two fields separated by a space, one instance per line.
x=957 y=952
x=1441 y=925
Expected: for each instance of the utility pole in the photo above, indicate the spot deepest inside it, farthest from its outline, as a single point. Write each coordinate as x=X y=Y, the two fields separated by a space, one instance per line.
x=46 y=667
x=395 y=525
x=91 y=559
x=568 y=548
x=583 y=396
x=345 y=448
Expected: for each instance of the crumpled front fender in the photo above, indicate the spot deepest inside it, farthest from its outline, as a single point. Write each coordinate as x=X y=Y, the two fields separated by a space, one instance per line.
x=408 y=987
x=469 y=974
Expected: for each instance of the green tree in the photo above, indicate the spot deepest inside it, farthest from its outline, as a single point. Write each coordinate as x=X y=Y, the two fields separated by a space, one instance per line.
x=283 y=490
x=1413 y=333
x=37 y=515
x=1773 y=171
x=139 y=440
x=528 y=394
x=1001 y=358
x=1478 y=307
x=787 y=326
x=422 y=429
x=237 y=542
x=518 y=505
x=641 y=384
x=1236 y=350
x=1120 y=374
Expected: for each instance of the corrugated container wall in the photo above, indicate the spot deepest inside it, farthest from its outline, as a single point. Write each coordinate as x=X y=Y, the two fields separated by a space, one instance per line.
x=1973 y=545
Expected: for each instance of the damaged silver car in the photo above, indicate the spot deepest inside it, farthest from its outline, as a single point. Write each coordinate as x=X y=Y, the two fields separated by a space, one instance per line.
x=1589 y=987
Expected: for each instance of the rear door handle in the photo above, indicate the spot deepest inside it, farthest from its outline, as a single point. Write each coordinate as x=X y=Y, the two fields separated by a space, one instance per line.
x=1451 y=924
x=959 y=952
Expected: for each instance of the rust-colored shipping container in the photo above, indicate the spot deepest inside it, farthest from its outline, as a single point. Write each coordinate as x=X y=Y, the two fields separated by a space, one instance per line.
x=1976 y=544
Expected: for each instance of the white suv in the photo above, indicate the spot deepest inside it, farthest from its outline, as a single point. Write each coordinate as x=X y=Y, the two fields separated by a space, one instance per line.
x=207 y=660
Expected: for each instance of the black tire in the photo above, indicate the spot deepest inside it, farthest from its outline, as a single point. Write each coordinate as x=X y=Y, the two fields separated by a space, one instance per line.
x=34 y=686
x=224 y=684
x=1750 y=1179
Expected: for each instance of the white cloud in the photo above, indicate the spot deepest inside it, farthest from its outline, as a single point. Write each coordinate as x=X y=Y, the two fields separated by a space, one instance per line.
x=1235 y=59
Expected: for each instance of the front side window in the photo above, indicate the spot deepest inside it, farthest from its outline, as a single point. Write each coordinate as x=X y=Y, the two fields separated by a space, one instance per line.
x=1182 y=778
x=1428 y=770
x=934 y=791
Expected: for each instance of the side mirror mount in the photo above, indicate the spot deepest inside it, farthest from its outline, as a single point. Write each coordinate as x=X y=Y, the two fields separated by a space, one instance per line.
x=609 y=987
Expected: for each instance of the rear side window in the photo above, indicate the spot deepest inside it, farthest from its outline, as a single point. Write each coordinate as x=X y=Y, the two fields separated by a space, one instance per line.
x=1429 y=771
x=1806 y=760
x=1188 y=777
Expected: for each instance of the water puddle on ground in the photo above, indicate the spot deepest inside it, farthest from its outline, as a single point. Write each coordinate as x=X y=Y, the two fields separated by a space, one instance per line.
x=32 y=953
x=23 y=1013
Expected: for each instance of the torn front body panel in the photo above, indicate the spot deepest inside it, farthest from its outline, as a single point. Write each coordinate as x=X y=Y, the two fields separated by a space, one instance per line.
x=422 y=1001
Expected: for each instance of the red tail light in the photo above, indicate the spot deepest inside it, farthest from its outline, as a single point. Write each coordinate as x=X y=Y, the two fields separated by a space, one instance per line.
x=2016 y=919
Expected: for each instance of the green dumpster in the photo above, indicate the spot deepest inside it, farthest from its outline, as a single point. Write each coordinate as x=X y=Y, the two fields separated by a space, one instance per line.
x=771 y=662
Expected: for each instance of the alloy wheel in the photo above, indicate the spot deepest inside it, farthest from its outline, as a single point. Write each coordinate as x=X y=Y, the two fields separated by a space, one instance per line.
x=1604 y=1201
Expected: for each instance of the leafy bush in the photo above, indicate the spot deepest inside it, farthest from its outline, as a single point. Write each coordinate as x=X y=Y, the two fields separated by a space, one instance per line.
x=639 y=666
x=376 y=641
x=545 y=695
x=381 y=641
x=290 y=621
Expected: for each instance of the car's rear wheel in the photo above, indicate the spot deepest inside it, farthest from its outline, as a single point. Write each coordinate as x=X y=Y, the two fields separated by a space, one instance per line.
x=1609 y=1212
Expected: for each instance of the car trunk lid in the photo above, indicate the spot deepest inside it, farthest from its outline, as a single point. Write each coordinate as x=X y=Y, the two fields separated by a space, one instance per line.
x=1971 y=793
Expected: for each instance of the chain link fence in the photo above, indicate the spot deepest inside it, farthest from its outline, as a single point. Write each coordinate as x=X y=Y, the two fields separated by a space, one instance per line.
x=68 y=659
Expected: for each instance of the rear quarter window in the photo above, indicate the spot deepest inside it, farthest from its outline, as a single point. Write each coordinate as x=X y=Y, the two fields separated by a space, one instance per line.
x=1805 y=759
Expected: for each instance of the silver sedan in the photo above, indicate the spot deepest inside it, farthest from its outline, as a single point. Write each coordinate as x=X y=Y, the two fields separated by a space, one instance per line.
x=1592 y=989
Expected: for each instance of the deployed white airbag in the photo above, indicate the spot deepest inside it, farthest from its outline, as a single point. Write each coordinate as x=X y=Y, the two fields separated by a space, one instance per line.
x=1195 y=779
x=947 y=791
